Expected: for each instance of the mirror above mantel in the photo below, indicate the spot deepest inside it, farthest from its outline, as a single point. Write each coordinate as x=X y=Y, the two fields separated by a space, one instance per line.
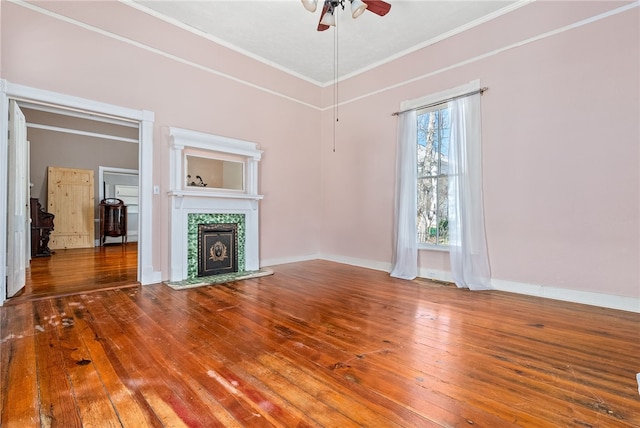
x=209 y=165
x=214 y=173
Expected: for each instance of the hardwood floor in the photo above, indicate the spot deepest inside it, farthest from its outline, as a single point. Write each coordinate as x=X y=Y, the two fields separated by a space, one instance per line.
x=316 y=344
x=80 y=270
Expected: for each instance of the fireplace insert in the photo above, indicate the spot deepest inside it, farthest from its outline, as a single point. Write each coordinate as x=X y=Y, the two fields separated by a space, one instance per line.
x=217 y=249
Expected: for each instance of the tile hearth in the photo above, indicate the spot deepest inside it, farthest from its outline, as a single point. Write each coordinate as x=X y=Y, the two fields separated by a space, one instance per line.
x=217 y=279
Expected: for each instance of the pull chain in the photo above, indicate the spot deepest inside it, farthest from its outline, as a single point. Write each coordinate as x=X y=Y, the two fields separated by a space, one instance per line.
x=335 y=82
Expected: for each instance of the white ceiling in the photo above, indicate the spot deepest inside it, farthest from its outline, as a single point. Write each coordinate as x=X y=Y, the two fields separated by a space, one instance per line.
x=283 y=33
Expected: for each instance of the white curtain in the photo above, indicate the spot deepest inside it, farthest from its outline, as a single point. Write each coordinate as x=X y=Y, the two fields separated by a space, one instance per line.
x=405 y=254
x=467 y=239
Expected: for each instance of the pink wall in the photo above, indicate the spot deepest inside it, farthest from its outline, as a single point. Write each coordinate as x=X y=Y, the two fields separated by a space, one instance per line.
x=560 y=125
x=47 y=53
x=561 y=138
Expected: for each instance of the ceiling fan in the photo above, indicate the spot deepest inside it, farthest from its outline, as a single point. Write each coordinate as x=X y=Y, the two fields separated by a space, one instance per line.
x=328 y=17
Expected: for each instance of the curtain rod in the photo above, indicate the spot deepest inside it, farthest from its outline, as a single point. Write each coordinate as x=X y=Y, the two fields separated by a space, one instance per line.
x=468 y=94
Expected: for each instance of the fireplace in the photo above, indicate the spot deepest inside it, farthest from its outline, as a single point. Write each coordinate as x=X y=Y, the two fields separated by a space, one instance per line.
x=202 y=214
x=215 y=226
x=217 y=249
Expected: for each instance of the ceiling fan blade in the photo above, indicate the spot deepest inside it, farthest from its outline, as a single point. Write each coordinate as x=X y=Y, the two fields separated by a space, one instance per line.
x=322 y=27
x=378 y=7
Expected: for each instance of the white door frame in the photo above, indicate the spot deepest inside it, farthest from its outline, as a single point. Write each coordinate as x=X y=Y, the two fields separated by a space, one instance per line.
x=145 y=118
x=108 y=169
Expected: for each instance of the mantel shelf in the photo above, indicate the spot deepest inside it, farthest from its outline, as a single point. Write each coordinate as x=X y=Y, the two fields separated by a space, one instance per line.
x=212 y=194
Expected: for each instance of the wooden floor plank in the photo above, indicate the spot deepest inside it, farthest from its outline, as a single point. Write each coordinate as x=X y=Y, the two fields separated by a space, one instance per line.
x=57 y=406
x=129 y=410
x=286 y=336
x=317 y=344
x=292 y=330
x=197 y=331
x=247 y=350
x=80 y=270
x=20 y=389
x=85 y=382
x=150 y=370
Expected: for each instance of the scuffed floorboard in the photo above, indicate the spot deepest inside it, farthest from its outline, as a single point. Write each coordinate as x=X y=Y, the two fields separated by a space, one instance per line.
x=318 y=344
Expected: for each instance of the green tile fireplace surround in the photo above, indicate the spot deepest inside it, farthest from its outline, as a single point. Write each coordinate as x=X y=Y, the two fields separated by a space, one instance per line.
x=195 y=219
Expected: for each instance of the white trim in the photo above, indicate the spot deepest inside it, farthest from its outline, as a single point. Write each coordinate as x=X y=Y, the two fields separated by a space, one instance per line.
x=432 y=247
x=364 y=263
x=285 y=260
x=201 y=140
x=489 y=54
x=185 y=201
x=362 y=96
x=438 y=275
x=474 y=85
x=39 y=106
x=146 y=273
x=214 y=193
x=200 y=33
x=353 y=261
x=503 y=11
x=69 y=102
x=468 y=26
x=112 y=170
x=611 y=301
x=156 y=51
x=4 y=183
x=83 y=133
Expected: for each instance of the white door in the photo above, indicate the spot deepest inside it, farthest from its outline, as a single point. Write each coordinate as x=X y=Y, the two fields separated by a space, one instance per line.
x=17 y=208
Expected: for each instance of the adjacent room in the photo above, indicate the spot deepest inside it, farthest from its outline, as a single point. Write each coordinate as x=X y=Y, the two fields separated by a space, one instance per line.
x=320 y=213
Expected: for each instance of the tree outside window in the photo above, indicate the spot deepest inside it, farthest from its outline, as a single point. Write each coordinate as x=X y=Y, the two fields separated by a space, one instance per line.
x=432 y=158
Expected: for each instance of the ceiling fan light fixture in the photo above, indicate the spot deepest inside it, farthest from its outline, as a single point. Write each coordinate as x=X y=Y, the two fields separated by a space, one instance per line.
x=329 y=18
x=310 y=5
x=357 y=8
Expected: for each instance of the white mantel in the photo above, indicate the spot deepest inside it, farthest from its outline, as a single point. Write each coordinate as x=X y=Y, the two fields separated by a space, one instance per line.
x=187 y=199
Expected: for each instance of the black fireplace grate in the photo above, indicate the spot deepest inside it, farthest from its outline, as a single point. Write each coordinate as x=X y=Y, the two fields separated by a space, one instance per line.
x=217 y=249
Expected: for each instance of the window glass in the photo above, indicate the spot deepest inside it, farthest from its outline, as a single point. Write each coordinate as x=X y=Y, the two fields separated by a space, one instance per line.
x=432 y=158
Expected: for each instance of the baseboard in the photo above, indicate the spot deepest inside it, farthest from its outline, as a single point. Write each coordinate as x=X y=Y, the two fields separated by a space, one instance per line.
x=285 y=260
x=150 y=276
x=369 y=264
x=603 y=300
x=611 y=301
x=386 y=267
x=130 y=239
x=438 y=275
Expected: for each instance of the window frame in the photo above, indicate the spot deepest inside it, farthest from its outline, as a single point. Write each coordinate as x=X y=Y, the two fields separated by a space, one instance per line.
x=426 y=245
x=432 y=99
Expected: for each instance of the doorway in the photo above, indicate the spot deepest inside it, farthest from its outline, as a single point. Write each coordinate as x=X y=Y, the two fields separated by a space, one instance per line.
x=63 y=151
x=77 y=109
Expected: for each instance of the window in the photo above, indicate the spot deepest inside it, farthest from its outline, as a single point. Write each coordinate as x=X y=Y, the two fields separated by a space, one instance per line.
x=432 y=159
